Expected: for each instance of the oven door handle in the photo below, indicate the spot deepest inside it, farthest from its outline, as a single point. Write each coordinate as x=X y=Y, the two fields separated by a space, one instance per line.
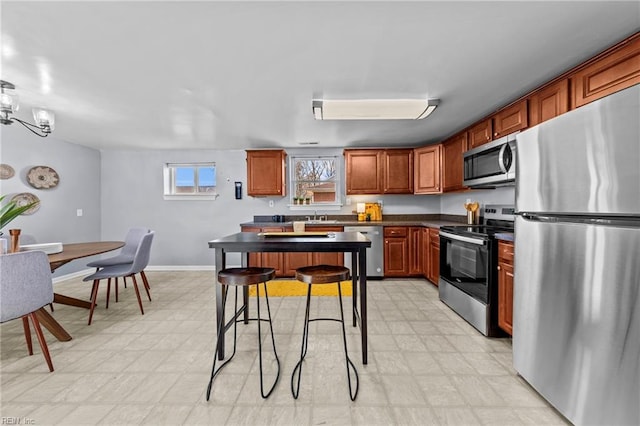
x=462 y=238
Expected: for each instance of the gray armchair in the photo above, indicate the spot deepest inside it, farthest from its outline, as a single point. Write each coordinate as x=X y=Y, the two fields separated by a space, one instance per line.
x=26 y=287
x=125 y=270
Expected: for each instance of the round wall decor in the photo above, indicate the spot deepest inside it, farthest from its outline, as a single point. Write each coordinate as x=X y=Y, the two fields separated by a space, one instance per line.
x=25 y=198
x=6 y=171
x=42 y=177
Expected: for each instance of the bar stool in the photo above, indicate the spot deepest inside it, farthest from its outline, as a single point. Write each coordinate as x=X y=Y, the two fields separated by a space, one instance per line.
x=322 y=274
x=244 y=277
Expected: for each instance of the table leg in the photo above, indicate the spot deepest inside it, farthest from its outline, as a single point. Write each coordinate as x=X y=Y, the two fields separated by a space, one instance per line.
x=71 y=301
x=244 y=261
x=354 y=286
x=220 y=290
x=362 y=259
x=52 y=325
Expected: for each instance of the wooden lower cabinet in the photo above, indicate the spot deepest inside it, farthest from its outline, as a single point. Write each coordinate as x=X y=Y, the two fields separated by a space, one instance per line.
x=286 y=264
x=434 y=255
x=505 y=286
x=396 y=251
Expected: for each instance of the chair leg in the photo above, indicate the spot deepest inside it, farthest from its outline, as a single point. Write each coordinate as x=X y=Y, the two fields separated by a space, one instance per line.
x=221 y=326
x=273 y=341
x=94 y=295
x=146 y=281
x=146 y=285
x=295 y=389
x=348 y=362
x=135 y=286
x=108 y=292
x=43 y=343
x=27 y=333
x=51 y=306
x=116 y=289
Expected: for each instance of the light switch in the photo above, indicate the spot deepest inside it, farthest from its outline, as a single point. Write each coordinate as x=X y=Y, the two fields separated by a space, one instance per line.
x=79 y=212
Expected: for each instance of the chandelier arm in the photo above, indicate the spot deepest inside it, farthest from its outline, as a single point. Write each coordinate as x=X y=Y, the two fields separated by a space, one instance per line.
x=30 y=127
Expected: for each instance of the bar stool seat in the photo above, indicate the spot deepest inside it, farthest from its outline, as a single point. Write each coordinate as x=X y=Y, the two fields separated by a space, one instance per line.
x=244 y=277
x=323 y=274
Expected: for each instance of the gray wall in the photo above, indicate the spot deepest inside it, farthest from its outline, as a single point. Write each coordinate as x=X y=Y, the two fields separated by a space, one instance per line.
x=79 y=188
x=132 y=189
x=119 y=189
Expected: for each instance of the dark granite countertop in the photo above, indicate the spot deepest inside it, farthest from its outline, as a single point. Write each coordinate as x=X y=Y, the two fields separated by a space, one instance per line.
x=428 y=220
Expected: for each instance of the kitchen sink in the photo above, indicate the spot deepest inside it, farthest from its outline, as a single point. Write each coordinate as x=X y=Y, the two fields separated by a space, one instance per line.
x=316 y=221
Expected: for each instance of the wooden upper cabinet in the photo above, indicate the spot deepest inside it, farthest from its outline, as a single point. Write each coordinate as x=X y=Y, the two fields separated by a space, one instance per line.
x=266 y=172
x=452 y=163
x=549 y=102
x=427 y=169
x=364 y=171
x=510 y=119
x=480 y=134
x=398 y=171
x=615 y=71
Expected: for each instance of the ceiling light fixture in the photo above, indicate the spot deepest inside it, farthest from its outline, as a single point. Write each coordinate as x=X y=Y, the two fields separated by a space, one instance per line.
x=373 y=109
x=45 y=119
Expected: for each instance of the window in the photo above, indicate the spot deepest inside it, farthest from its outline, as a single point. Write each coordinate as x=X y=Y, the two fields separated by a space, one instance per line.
x=190 y=180
x=314 y=181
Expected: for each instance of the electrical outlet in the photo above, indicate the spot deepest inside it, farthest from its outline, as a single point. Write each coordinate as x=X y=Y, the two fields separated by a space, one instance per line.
x=79 y=212
x=348 y=201
x=271 y=203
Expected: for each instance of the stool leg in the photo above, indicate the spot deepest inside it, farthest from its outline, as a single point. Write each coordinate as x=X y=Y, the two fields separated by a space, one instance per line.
x=219 y=334
x=295 y=390
x=348 y=362
x=273 y=341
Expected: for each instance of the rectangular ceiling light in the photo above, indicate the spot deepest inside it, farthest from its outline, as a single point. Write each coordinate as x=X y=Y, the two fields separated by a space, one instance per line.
x=373 y=109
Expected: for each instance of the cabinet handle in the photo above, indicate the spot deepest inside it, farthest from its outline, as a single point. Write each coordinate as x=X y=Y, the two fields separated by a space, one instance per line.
x=499 y=269
x=495 y=134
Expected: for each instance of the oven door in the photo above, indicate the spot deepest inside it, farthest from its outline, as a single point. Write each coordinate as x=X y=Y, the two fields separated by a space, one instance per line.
x=464 y=263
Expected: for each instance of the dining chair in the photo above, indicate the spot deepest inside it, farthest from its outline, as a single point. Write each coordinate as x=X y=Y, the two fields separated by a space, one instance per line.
x=124 y=270
x=26 y=287
x=126 y=255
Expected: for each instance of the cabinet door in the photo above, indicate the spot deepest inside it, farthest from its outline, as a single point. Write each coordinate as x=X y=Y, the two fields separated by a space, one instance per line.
x=452 y=163
x=396 y=252
x=266 y=172
x=398 y=171
x=364 y=171
x=294 y=260
x=549 y=102
x=434 y=255
x=505 y=297
x=424 y=253
x=269 y=259
x=510 y=119
x=415 y=243
x=427 y=169
x=616 y=71
x=480 y=134
x=330 y=258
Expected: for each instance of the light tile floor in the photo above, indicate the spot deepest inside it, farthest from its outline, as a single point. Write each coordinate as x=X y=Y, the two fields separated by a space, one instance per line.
x=426 y=366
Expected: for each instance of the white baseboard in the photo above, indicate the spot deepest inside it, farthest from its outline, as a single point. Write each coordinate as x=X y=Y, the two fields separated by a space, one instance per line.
x=162 y=268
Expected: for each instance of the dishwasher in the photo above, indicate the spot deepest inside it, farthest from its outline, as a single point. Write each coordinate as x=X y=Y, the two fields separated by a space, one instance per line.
x=375 y=253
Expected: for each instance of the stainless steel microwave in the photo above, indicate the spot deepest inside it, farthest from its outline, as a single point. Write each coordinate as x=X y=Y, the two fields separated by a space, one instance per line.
x=492 y=164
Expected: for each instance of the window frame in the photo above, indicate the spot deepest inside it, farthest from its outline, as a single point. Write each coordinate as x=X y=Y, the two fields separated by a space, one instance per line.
x=337 y=203
x=169 y=180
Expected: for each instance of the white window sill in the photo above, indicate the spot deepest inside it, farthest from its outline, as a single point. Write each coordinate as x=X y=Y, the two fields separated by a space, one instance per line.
x=311 y=207
x=190 y=197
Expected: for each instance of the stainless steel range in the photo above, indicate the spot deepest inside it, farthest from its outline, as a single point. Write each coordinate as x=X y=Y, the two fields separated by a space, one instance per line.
x=468 y=268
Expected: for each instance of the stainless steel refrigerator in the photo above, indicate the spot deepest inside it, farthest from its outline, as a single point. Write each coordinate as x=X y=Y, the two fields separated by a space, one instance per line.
x=576 y=315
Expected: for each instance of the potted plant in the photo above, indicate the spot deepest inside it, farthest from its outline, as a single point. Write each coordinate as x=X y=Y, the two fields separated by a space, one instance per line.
x=307 y=200
x=11 y=210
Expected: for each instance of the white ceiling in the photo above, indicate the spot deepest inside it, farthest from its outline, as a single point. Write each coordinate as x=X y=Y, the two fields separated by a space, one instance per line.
x=235 y=75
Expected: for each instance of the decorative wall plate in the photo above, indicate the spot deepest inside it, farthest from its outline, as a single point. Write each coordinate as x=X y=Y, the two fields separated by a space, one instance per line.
x=42 y=177
x=6 y=171
x=25 y=198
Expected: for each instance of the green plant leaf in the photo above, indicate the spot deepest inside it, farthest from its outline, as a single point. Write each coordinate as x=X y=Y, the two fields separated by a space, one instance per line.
x=10 y=211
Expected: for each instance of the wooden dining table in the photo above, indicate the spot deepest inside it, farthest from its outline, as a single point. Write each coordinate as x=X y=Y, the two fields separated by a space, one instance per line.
x=71 y=252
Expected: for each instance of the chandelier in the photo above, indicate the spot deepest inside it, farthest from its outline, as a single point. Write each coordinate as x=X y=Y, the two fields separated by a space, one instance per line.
x=45 y=120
